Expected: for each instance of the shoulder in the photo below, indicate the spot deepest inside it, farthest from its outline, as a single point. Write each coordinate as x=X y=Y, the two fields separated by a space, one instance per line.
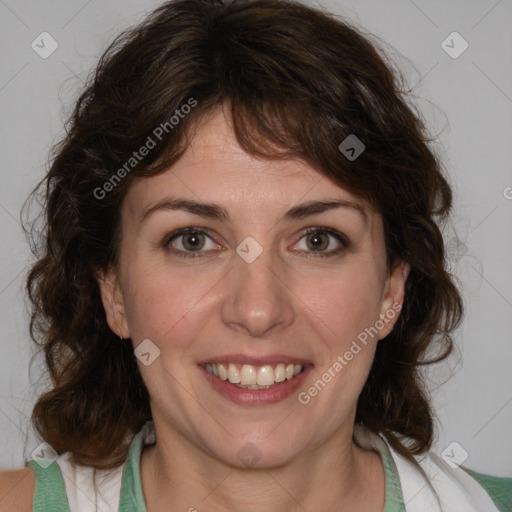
x=498 y=488
x=456 y=485
x=17 y=490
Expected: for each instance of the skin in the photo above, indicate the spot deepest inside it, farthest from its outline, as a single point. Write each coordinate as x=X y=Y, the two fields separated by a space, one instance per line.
x=288 y=301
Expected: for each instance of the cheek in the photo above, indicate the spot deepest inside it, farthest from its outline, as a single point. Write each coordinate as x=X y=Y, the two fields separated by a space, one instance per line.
x=345 y=303
x=344 y=311
x=160 y=303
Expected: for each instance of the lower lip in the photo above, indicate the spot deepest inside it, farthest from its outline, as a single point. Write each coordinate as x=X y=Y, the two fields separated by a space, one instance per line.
x=252 y=397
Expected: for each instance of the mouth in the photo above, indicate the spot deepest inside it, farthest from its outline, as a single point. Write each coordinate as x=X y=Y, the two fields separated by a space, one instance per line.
x=251 y=385
x=248 y=376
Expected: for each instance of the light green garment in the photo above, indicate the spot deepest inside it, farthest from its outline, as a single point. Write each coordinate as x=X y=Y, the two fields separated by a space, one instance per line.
x=50 y=491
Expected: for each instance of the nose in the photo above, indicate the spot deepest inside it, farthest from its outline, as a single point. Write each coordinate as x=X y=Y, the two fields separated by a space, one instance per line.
x=258 y=297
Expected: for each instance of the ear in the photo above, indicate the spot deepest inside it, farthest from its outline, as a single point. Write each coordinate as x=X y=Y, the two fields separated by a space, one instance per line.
x=393 y=297
x=113 y=302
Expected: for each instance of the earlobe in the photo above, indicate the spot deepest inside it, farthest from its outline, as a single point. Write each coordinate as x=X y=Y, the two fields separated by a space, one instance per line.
x=113 y=302
x=394 y=298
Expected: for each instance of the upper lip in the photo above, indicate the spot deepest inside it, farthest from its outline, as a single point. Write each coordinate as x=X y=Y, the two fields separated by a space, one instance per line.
x=256 y=361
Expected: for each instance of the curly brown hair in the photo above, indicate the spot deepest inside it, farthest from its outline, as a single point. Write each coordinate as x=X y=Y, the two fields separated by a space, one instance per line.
x=298 y=81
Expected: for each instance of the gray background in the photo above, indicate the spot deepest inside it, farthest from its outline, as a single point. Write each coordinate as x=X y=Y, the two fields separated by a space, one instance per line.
x=468 y=104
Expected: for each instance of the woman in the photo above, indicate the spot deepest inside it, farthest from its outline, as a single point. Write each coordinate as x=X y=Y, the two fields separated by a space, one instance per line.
x=242 y=272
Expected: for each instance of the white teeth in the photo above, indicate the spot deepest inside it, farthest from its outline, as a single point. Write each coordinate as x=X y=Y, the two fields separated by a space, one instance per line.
x=223 y=374
x=233 y=374
x=254 y=377
x=265 y=376
x=249 y=375
x=279 y=373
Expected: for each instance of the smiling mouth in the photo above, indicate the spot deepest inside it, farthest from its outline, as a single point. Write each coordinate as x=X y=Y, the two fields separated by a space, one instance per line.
x=248 y=376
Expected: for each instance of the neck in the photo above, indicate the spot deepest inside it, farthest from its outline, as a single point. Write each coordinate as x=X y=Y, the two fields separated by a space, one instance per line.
x=177 y=476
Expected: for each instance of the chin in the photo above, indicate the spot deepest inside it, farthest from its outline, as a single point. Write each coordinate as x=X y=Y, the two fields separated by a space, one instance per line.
x=251 y=452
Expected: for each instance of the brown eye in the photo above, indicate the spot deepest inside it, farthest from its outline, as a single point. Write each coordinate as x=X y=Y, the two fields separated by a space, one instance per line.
x=318 y=240
x=188 y=242
x=193 y=241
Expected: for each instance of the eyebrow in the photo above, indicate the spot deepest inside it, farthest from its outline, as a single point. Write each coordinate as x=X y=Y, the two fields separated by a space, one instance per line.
x=217 y=212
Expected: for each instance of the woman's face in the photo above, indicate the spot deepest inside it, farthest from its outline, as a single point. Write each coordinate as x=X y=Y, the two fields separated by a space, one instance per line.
x=255 y=288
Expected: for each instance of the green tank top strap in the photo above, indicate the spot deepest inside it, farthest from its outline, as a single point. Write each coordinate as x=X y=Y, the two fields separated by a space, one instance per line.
x=131 y=498
x=394 y=500
x=498 y=488
x=50 y=490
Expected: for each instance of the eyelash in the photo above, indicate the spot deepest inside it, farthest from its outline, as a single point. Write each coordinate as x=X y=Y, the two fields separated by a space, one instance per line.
x=188 y=254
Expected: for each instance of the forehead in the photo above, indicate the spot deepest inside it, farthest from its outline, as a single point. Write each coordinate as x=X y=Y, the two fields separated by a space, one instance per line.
x=216 y=169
